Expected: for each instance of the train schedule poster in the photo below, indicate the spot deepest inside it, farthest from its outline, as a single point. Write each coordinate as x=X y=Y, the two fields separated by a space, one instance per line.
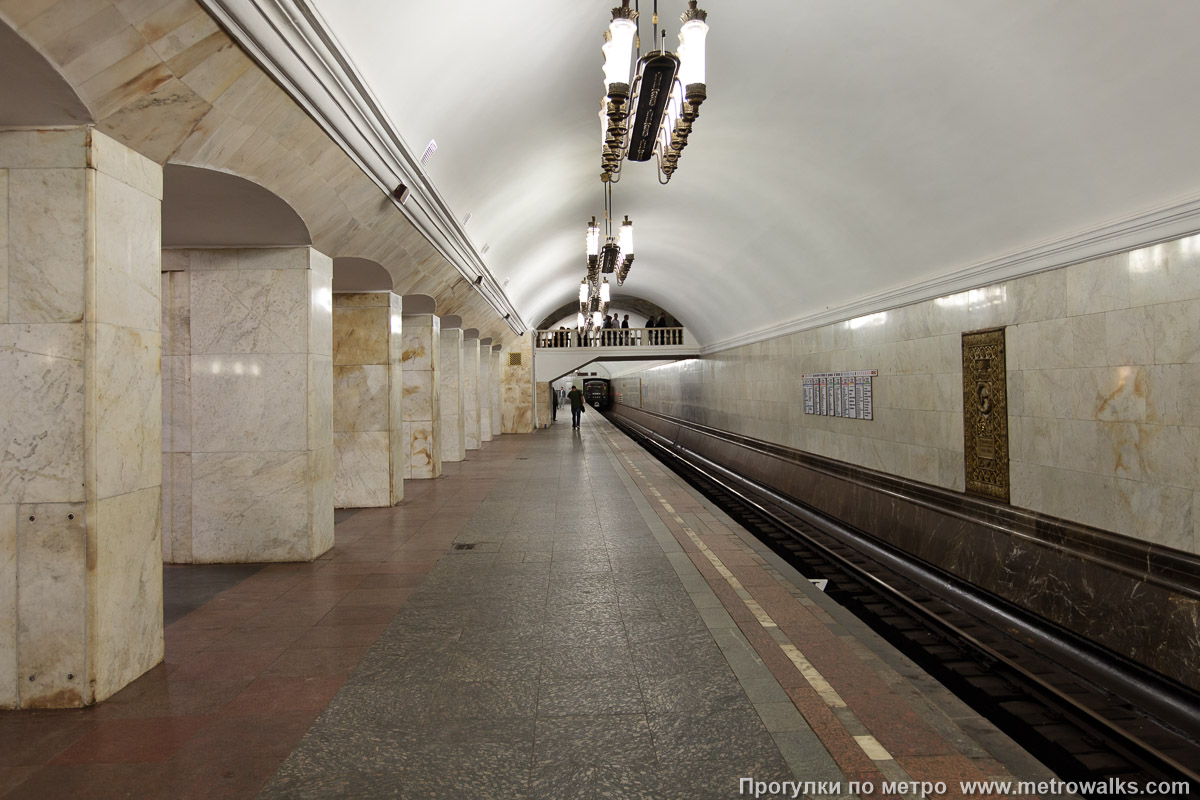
x=839 y=394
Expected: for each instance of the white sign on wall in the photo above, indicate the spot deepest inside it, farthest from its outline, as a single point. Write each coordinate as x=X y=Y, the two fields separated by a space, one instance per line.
x=839 y=394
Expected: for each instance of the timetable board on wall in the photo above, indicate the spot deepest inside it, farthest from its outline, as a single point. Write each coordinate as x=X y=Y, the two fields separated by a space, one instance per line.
x=839 y=394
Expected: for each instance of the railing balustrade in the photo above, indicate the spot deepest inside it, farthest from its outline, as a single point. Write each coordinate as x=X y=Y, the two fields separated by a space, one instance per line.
x=610 y=337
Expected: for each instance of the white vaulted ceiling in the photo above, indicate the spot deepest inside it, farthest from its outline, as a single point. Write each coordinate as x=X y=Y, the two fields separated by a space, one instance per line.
x=846 y=150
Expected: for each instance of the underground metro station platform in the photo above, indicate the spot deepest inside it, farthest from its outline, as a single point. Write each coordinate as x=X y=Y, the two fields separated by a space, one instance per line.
x=558 y=616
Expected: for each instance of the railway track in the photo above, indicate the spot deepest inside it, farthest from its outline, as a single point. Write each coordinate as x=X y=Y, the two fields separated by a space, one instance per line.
x=1086 y=713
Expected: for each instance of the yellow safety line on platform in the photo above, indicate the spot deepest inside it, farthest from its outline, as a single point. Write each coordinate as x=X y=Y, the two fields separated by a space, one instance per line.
x=868 y=744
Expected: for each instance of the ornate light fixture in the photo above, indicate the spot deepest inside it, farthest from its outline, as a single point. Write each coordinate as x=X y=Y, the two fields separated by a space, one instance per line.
x=655 y=116
x=615 y=257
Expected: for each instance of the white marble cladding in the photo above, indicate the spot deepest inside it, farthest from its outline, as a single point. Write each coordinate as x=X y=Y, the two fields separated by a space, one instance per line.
x=451 y=396
x=486 y=376
x=248 y=418
x=80 y=345
x=421 y=343
x=1103 y=385
x=470 y=389
x=367 y=393
x=497 y=408
x=516 y=387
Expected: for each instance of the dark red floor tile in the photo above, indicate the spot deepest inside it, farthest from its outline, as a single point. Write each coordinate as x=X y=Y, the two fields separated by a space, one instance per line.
x=348 y=635
x=116 y=741
x=258 y=639
x=11 y=777
x=94 y=782
x=199 y=777
x=351 y=615
x=226 y=665
x=171 y=697
x=275 y=694
x=238 y=738
x=28 y=741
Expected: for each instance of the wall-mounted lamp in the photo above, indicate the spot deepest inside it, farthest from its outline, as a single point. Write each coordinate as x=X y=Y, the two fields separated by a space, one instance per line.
x=400 y=193
x=479 y=281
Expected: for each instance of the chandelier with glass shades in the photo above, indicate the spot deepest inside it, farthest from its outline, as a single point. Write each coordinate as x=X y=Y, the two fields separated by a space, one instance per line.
x=650 y=115
x=615 y=257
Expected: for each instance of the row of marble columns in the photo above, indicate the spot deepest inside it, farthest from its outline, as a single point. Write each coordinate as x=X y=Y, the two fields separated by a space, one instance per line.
x=205 y=405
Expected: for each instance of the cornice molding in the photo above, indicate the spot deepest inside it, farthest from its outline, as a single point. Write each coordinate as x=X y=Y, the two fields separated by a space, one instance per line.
x=1130 y=233
x=293 y=44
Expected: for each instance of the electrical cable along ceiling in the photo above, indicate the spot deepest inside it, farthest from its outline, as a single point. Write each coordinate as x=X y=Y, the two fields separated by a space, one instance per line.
x=849 y=156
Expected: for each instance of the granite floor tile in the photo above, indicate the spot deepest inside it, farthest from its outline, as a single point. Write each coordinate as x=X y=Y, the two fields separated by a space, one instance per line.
x=617 y=739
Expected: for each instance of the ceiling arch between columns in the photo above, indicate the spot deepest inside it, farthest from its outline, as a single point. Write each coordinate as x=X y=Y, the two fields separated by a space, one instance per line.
x=207 y=104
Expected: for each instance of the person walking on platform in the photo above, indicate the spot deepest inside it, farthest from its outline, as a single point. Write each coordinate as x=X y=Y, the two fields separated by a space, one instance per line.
x=576 y=398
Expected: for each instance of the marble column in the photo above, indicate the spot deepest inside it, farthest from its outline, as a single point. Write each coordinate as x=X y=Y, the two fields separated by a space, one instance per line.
x=516 y=390
x=422 y=339
x=451 y=396
x=470 y=389
x=368 y=393
x=485 y=390
x=497 y=415
x=543 y=405
x=80 y=420
x=248 y=376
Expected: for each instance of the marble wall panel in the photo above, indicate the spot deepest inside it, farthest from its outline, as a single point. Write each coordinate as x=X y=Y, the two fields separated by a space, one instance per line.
x=361 y=335
x=232 y=524
x=362 y=397
x=320 y=501
x=249 y=311
x=1102 y=384
x=320 y=402
x=249 y=402
x=451 y=395
x=486 y=376
x=177 y=508
x=516 y=388
x=470 y=389
x=43 y=424
x=320 y=307
x=126 y=411
x=51 y=605
x=497 y=409
x=8 y=606
x=542 y=393
x=128 y=247
x=3 y=246
x=362 y=469
x=47 y=243
x=125 y=629
x=421 y=412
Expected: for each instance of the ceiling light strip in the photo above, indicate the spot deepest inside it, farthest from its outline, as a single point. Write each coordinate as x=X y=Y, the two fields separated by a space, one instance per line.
x=294 y=45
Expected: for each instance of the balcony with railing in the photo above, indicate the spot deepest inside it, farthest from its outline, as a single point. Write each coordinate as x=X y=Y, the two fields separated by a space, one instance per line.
x=621 y=338
x=559 y=351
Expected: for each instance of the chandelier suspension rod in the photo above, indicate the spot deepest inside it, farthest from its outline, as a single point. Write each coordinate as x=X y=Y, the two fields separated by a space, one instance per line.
x=655 y=19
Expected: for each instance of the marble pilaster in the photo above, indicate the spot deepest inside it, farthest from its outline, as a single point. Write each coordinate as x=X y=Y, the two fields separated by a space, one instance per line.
x=543 y=405
x=470 y=389
x=516 y=386
x=451 y=396
x=497 y=413
x=80 y=475
x=421 y=357
x=248 y=465
x=486 y=376
x=367 y=376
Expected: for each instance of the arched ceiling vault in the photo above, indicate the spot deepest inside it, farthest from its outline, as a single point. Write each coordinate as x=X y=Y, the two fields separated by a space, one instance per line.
x=846 y=150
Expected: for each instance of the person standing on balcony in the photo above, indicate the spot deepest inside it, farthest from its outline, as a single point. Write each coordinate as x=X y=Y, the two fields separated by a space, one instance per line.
x=650 y=330
x=625 y=330
x=661 y=325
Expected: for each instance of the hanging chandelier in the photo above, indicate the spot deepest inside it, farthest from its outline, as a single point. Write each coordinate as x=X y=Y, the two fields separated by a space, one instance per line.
x=614 y=257
x=652 y=114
